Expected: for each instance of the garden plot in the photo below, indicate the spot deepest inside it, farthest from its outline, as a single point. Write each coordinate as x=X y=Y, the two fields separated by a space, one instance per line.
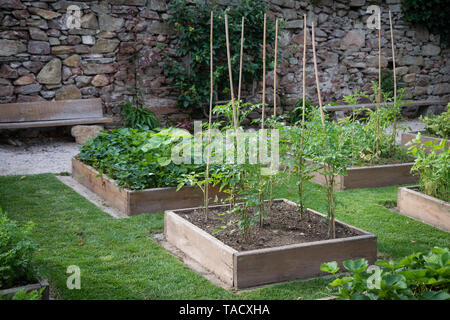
x=282 y=250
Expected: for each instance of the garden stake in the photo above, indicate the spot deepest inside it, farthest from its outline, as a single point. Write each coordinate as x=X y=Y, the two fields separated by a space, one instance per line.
x=274 y=96
x=240 y=61
x=300 y=185
x=379 y=80
x=210 y=114
x=262 y=116
x=230 y=74
x=330 y=182
x=394 y=125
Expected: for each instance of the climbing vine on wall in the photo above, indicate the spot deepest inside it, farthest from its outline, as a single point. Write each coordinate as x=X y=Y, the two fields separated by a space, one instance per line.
x=432 y=14
x=192 y=25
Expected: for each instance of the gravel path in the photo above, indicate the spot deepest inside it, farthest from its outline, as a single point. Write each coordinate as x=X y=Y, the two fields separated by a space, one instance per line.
x=39 y=157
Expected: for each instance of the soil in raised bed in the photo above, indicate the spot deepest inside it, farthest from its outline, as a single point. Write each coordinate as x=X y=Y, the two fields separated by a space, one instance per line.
x=282 y=226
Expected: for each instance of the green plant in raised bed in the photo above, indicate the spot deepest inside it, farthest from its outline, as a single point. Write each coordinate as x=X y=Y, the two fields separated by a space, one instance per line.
x=333 y=151
x=16 y=253
x=433 y=168
x=138 y=159
x=438 y=126
x=420 y=276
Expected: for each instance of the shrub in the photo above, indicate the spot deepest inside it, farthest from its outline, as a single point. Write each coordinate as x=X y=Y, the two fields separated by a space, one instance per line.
x=16 y=252
x=420 y=276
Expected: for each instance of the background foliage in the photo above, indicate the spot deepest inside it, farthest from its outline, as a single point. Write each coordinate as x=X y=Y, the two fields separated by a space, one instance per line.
x=192 y=25
x=432 y=14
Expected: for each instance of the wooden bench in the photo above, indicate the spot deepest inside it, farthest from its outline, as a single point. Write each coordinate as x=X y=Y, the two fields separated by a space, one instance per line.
x=419 y=103
x=51 y=113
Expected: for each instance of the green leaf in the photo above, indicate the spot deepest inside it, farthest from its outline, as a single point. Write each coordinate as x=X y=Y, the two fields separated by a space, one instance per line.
x=356 y=266
x=330 y=267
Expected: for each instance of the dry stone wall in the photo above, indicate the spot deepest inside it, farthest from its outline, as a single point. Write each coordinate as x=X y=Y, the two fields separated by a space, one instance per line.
x=119 y=41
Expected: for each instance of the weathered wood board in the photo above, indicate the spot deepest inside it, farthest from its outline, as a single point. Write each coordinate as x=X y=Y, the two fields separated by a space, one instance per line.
x=264 y=266
x=30 y=287
x=132 y=202
x=372 y=176
x=51 y=113
x=424 y=208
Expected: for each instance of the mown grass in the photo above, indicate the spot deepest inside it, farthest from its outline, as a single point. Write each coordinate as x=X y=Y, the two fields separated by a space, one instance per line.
x=120 y=260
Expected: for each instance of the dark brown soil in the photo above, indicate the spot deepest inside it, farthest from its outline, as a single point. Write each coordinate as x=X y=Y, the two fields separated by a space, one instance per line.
x=282 y=226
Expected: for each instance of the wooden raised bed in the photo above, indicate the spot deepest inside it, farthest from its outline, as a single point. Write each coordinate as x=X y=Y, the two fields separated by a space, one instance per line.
x=28 y=288
x=424 y=208
x=242 y=269
x=409 y=136
x=372 y=176
x=132 y=202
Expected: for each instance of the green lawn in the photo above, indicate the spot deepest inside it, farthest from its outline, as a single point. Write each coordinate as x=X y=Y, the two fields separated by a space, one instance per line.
x=120 y=260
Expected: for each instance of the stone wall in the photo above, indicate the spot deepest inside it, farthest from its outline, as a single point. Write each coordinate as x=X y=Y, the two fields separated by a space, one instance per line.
x=42 y=58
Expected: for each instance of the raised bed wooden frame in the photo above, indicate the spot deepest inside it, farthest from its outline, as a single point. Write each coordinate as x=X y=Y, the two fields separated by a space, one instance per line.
x=409 y=136
x=372 y=176
x=263 y=266
x=133 y=202
x=30 y=287
x=422 y=207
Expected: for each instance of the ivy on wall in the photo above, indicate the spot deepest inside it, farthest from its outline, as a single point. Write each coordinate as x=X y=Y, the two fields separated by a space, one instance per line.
x=192 y=25
x=432 y=14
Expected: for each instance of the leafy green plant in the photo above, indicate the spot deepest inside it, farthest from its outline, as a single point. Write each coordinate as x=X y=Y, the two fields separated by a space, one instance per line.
x=332 y=151
x=16 y=252
x=438 y=126
x=432 y=14
x=136 y=116
x=138 y=159
x=420 y=276
x=432 y=167
x=192 y=26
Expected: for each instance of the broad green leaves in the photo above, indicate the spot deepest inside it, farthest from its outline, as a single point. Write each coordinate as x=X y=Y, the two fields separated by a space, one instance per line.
x=418 y=276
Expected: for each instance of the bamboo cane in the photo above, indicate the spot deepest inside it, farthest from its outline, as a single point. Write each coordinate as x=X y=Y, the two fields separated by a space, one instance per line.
x=317 y=75
x=230 y=74
x=274 y=94
x=275 y=70
x=329 y=180
x=263 y=111
x=240 y=60
x=206 y=200
x=394 y=126
x=264 y=75
x=305 y=29
x=379 y=80
x=300 y=185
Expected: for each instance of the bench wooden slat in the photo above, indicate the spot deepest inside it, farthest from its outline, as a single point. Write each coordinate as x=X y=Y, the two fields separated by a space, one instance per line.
x=51 y=110
x=373 y=105
x=53 y=123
